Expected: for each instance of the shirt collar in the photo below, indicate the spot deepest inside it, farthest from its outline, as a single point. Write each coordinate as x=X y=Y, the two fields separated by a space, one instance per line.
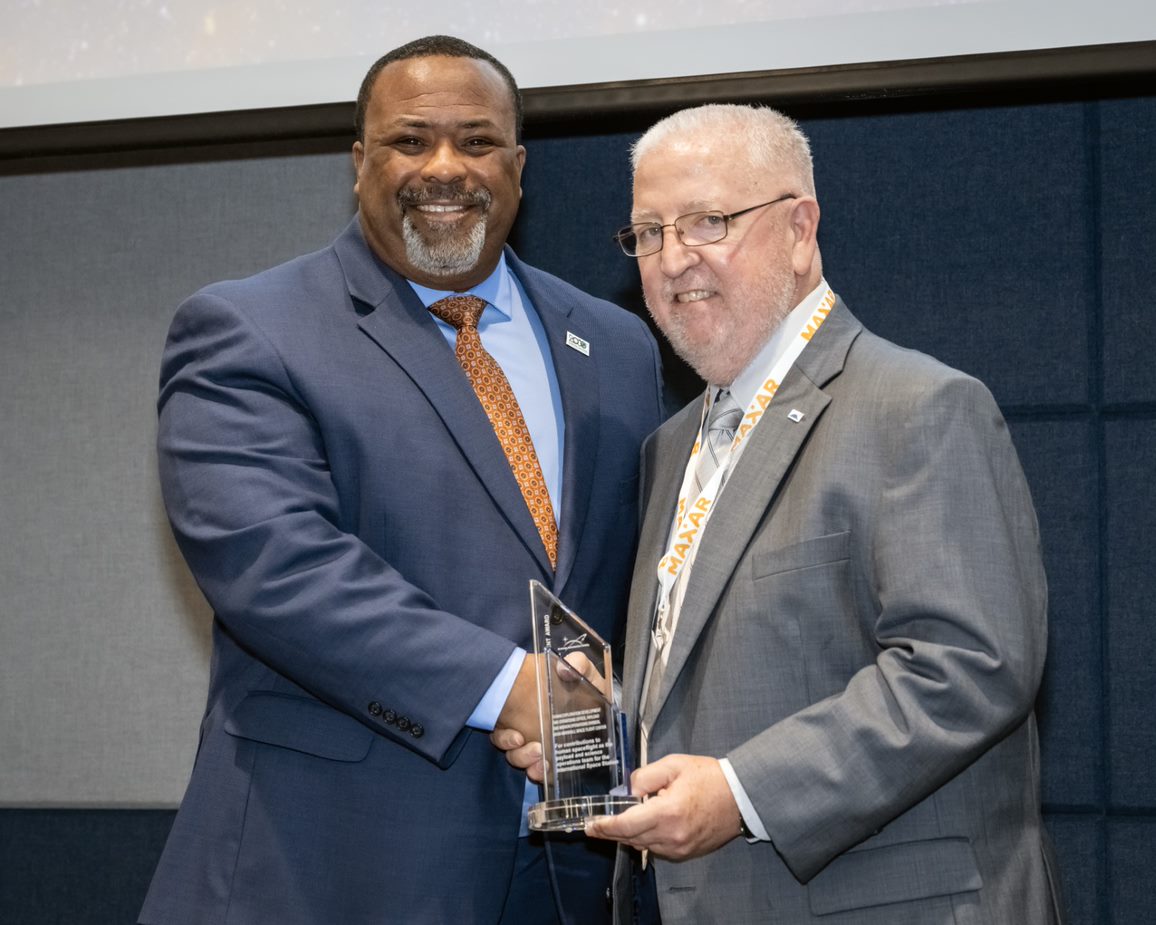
x=496 y=289
x=748 y=381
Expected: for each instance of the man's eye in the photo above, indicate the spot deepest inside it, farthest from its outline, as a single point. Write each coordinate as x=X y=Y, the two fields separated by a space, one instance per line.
x=710 y=220
x=647 y=232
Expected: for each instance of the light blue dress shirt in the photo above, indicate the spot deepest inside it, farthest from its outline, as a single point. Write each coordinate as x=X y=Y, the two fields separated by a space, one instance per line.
x=513 y=335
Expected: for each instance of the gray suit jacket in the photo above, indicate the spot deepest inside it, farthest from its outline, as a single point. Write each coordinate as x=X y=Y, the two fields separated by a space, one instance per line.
x=863 y=634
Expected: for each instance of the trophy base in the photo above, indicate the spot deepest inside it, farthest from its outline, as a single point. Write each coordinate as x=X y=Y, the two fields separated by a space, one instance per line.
x=570 y=814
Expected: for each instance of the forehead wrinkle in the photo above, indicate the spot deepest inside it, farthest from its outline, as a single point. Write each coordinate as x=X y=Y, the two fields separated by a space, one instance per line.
x=398 y=98
x=424 y=122
x=480 y=122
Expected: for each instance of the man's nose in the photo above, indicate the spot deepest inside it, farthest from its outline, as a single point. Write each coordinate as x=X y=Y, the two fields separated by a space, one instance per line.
x=675 y=257
x=445 y=163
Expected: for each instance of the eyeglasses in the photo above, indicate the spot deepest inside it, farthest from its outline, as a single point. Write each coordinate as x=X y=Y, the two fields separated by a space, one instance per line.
x=693 y=230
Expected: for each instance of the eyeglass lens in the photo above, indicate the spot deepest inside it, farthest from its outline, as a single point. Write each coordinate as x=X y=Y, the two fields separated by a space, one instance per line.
x=694 y=229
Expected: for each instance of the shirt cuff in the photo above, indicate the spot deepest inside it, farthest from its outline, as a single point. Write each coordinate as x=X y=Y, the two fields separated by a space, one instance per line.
x=485 y=715
x=746 y=807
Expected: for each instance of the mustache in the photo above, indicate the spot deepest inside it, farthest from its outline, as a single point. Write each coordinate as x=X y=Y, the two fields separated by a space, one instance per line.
x=444 y=192
x=688 y=281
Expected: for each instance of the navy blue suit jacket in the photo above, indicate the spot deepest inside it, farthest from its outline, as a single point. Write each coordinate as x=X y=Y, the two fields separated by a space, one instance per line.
x=345 y=507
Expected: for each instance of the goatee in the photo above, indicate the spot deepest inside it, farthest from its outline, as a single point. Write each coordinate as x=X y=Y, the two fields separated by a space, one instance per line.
x=444 y=250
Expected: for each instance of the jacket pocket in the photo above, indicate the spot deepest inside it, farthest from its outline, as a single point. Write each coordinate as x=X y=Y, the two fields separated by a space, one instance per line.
x=300 y=724
x=894 y=874
x=820 y=550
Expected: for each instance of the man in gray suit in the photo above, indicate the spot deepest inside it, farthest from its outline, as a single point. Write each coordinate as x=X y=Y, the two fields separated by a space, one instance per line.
x=837 y=622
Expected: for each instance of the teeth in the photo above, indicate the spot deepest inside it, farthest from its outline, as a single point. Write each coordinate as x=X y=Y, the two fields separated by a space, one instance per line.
x=440 y=208
x=695 y=295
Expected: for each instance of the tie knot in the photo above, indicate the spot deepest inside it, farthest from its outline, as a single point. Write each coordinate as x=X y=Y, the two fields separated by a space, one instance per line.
x=459 y=311
x=724 y=416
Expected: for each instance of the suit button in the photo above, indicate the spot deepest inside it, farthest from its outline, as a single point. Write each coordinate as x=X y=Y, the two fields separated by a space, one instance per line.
x=389 y=716
x=403 y=723
x=417 y=730
x=375 y=709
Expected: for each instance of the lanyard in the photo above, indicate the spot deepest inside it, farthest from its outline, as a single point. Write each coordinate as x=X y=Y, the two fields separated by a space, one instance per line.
x=691 y=521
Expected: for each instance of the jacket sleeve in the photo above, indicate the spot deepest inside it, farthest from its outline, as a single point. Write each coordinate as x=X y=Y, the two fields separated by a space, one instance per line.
x=247 y=485
x=953 y=564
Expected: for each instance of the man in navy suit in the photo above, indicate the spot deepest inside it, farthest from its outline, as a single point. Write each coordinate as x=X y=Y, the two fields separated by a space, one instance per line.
x=343 y=501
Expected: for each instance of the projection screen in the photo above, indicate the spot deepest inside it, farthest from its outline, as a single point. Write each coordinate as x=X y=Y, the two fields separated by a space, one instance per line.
x=94 y=60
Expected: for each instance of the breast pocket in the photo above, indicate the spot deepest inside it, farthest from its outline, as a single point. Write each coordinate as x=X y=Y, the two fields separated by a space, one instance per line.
x=819 y=550
x=808 y=587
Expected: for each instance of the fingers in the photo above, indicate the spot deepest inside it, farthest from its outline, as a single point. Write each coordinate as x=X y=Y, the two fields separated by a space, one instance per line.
x=520 y=710
x=658 y=826
x=505 y=738
x=567 y=670
x=631 y=827
x=536 y=771
x=520 y=754
x=653 y=778
x=577 y=665
x=526 y=757
x=688 y=811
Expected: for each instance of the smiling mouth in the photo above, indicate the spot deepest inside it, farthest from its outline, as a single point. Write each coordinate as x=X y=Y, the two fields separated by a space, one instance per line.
x=441 y=211
x=694 y=295
x=443 y=203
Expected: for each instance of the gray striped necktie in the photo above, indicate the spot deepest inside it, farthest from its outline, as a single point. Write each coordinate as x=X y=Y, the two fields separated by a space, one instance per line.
x=721 y=423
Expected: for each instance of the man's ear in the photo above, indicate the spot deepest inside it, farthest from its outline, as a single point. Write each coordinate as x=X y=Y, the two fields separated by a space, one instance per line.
x=805 y=227
x=358 y=157
x=520 y=157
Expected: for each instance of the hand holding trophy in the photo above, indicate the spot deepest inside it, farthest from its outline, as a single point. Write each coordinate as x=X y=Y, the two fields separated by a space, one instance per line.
x=584 y=750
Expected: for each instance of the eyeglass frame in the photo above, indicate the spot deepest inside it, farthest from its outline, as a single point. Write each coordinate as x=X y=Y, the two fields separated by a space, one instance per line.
x=727 y=219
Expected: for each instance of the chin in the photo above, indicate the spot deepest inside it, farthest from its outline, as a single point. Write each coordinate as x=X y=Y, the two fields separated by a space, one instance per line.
x=711 y=361
x=444 y=255
x=717 y=375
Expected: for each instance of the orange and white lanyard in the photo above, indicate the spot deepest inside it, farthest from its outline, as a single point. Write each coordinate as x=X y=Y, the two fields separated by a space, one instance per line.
x=691 y=521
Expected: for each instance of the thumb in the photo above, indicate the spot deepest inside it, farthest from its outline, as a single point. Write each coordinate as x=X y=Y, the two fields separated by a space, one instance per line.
x=651 y=778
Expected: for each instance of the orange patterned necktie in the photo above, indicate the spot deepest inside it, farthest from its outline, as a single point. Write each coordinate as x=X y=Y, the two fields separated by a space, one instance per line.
x=497 y=398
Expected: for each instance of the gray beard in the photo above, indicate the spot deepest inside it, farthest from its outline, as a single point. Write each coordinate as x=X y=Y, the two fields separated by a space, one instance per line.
x=448 y=254
x=765 y=304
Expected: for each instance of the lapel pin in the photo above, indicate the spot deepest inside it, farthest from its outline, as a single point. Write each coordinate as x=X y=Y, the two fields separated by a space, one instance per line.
x=795 y=415
x=576 y=342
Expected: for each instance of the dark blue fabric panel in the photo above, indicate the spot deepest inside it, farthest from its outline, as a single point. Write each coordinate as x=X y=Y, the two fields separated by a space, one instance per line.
x=78 y=867
x=1132 y=856
x=966 y=234
x=1079 y=844
x=936 y=236
x=1061 y=463
x=1128 y=247
x=576 y=194
x=1130 y=446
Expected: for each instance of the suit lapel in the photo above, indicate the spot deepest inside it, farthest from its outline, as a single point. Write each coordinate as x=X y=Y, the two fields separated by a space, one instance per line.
x=399 y=324
x=578 y=380
x=664 y=462
x=755 y=481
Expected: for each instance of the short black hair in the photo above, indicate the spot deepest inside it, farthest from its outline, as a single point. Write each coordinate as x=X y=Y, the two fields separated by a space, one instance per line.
x=428 y=47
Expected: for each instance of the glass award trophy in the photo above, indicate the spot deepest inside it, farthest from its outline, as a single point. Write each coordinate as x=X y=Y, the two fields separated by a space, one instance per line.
x=583 y=732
